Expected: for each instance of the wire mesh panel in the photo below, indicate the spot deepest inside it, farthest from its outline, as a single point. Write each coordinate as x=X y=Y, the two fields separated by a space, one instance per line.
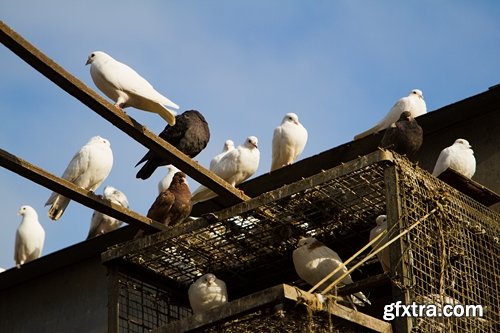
x=253 y=245
x=453 y=252
x=143 y=306
x=452 y=256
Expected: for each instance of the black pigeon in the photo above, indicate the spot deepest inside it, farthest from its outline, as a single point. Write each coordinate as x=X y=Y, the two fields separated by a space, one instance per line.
x=405 y=137
x=190 y=134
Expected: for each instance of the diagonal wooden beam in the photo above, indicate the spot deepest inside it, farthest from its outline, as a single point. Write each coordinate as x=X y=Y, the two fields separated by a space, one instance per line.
x=70 y=190
x=35 y=58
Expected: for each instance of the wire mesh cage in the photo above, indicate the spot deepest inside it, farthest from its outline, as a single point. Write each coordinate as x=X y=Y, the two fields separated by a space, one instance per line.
x=141 y=305
x=452 y=256
x=453 y=248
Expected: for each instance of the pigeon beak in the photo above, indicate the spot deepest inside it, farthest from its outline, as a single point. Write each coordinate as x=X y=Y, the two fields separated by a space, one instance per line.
x=296 y=122
x=255 y=145
x=88 y=61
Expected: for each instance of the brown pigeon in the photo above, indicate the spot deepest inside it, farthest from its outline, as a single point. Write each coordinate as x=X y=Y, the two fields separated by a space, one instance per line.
x=190 y=135
x=173 y=205
x=405 y=137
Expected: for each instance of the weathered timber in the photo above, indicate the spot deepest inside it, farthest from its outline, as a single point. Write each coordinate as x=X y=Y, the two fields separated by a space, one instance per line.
x=70 y=190
x=274 y=295
x=114 y=115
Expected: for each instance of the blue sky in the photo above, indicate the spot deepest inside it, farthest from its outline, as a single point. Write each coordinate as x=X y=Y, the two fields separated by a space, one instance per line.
x=340 y=65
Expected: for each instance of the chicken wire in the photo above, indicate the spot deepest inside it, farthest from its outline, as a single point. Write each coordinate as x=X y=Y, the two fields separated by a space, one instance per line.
x=452 y=253
x=258 y=239
x=143 y=306
x=451 y=257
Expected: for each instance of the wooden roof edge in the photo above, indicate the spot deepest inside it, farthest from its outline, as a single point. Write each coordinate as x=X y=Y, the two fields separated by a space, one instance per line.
x=433 y=121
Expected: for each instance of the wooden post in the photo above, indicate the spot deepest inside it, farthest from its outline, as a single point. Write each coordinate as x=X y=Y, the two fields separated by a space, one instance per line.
x=113 y=299
x=398 y=256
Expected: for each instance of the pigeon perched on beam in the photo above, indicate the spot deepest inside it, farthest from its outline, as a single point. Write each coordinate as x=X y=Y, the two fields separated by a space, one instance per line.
x=289 y=140
x=88 y=168
x=459 y=157
x=30 y=237
x=126 y=87
x=173 y=205
x=414 y=103
x=102 y=223
x=405 y=137
x=165 y=182
x=190 y=135
x=228 y=146
x=234 y=167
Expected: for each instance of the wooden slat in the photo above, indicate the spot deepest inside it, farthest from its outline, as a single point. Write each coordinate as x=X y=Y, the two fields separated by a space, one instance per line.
x=470 y=187
x=70 y=190
x=295 y=294
x=138 y=132
x=224 y=312
x=400 y=290
x=269 y=296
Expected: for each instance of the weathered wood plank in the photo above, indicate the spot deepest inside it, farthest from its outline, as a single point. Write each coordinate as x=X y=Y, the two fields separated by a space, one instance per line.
x=117 y=117
x=295 y=294
x=70 y=190
x=396 y=250
x=274 y=295
x=469 y=187
x=226 y=311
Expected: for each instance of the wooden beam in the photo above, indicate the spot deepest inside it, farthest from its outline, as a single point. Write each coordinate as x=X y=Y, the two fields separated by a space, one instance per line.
x=224 y=312
x=117 y=117
x=469 y=187
x=274 y=295
x=398 y=256
x=70 y=190
x=296 y=294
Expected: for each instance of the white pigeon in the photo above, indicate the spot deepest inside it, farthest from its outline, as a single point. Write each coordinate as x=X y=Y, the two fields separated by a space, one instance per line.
x=29 y=237
x=127 y=88
x=206 y=293
x=165 y=181
x=234 y=167
x=289 y=140
x=313 y=261
x=383 y=256
x=459 y=157
x=88 y=169
x=414 y=103
x=228 y=146
x=102 y=223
